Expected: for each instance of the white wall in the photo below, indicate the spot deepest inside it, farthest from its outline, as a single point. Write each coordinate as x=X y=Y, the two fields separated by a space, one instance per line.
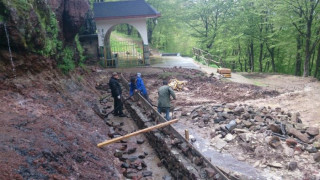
x=104 y=25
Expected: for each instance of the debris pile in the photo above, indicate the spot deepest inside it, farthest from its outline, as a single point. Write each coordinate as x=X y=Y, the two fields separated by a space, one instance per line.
x=265 y=137
x=176 y=84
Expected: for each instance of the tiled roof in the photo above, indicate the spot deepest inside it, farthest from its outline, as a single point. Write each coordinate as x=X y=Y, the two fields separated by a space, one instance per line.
x=123 y=9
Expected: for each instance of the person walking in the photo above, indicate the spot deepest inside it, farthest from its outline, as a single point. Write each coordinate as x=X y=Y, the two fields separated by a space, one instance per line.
x=164 y=93
x=141 y=87
x=116 y=92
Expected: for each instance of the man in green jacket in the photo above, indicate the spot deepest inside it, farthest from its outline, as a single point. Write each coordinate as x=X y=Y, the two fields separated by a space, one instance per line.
x=164 y=93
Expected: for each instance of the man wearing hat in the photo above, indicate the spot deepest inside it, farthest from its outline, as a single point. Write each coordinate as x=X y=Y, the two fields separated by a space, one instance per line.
x=116 y=92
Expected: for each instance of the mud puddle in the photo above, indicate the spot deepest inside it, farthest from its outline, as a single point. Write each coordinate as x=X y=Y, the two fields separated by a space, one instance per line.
x=224 y=161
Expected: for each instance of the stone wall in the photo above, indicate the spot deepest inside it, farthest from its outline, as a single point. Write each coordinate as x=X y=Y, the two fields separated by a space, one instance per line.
x=90 y=46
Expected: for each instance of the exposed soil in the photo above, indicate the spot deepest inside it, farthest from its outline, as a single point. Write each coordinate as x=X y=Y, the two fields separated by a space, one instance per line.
x=294 y=95
x=50 y=130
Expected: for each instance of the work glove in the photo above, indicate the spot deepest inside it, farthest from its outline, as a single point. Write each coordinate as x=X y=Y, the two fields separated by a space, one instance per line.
x=118 y=97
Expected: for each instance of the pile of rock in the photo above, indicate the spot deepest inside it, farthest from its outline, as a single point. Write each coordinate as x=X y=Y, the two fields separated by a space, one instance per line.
x=277 y=138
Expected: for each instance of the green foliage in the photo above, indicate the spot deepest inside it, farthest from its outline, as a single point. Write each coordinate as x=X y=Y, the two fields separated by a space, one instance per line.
x=52 y=44
x=67 y=63
x=1 y=18
x=80 y=50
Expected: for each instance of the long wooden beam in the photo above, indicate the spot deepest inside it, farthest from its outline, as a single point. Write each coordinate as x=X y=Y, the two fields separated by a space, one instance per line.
x=137 y=132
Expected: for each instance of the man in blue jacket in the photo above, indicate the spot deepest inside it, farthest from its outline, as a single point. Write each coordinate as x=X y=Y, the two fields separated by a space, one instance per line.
x=141 y=87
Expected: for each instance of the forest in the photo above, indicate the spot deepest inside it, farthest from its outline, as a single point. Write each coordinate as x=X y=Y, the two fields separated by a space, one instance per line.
x=273 y=36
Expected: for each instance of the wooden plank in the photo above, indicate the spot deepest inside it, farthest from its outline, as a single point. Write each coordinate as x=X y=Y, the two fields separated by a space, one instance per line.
x=224 y=71
x=137 y=132
x=227 y=75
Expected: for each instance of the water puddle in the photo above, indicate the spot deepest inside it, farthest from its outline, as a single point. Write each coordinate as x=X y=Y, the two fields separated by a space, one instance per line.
x=8 y=40
x=224 y=161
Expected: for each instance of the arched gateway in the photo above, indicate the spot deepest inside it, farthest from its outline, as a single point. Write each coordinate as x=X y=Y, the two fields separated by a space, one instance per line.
x=132 y=12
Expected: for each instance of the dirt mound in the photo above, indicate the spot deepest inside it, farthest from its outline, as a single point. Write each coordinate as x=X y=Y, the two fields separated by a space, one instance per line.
x=49 y=129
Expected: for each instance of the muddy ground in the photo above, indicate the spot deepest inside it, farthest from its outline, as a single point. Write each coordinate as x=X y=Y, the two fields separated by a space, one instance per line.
x=293 y=95
x=49 y=128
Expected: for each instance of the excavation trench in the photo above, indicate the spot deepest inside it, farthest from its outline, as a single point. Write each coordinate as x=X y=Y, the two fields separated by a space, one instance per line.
x=181 y=159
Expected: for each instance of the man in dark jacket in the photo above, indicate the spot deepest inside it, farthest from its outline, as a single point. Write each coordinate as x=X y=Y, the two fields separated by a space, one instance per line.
x=164 y=93
x=116 y=92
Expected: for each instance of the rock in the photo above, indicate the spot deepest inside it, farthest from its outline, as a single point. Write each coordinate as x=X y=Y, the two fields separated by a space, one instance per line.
x=70 y=15
x=210 y=172
x=218 y=120
x=260 y=151
x=167 y=177
x=132 y=158
x=298 y=134
x=146 y=173
x=289 y=152
x=238 y=110
x=317 y=137
x=247 y=124
x=184 y=113
x=246 y=137
x=140 y=141
x=245 y=116
x=275 y=165
x=275 y=128
x=313 y=131
x=241 y=158
x=292 y=166
x=316 y=157
x=132 y=150
x=317 y=144
x=218 y=143
x=275 y=142
x=220 y=109
x=291 y=142
x=259 y=119
x=229 y=137
x=118 y=154
x=311 y=149
x=198 y=161
x=125 y=165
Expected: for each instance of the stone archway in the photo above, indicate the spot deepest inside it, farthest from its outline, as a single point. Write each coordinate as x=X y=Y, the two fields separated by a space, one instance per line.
x=105 y=27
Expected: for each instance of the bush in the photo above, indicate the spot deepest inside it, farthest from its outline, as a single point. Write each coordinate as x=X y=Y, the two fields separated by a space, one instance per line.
x=67 y=63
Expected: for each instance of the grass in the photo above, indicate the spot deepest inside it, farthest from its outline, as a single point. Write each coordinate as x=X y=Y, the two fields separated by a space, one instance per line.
x=259 y=84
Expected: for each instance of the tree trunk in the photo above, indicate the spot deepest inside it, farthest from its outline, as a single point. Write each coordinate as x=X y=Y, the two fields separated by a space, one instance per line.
x=260 y=57
x=252 y=56
x=240 y=58
x=298 y=56
x=306 y=69
x=317 y=64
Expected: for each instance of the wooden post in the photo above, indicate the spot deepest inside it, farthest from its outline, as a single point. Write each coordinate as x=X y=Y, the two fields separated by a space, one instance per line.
x=186 y=134
x=137 y=132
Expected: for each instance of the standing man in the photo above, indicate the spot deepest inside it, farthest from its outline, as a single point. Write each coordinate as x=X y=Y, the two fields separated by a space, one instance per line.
x=164 y=93
x=116 y=92
x=141 y=87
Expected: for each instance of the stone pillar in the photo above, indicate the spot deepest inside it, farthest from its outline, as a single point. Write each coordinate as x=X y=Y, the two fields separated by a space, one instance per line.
x=146 y=55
